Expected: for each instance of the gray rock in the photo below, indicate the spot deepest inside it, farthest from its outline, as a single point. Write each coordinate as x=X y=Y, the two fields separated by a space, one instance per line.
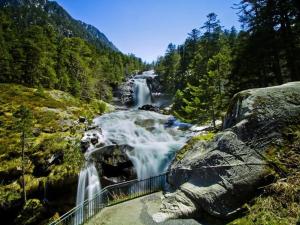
x=126 y=93
x=114 y=164
x=217 y=177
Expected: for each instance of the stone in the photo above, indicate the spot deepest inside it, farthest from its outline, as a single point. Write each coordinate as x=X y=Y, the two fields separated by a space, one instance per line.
x=152 y=108
x=82 y=119
x=92 y=138
x=114 y=164
x=217 y=177
x=57 y=158
x=31 y=213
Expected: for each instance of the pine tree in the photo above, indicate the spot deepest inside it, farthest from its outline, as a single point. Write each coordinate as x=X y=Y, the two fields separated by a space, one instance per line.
x=24 y=124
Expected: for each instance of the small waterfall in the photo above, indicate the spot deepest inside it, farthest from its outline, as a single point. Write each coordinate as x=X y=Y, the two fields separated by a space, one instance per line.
x=88 y=186
x=142 y=92
x=88 y=183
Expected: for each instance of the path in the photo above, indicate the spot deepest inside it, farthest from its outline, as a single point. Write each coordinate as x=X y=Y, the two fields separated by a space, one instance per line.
x=135 y=212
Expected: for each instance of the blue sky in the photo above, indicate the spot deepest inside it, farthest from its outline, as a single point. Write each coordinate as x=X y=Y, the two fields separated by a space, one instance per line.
x=146 y=27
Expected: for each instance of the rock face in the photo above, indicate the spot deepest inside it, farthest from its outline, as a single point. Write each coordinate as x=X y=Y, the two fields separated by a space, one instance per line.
x=113 y=164
x=218 y=176
x=126 y=93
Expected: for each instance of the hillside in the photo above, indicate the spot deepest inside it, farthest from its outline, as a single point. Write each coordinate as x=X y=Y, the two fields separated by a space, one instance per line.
x=52 y=13
x=53 y=157
x=42 y=45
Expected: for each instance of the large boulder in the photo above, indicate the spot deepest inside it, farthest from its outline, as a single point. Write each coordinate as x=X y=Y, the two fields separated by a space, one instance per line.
x=216 y=177
x=113 y=164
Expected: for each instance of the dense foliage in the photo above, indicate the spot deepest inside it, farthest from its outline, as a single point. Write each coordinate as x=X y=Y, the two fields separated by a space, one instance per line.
x=34 y=52
x=213 y=63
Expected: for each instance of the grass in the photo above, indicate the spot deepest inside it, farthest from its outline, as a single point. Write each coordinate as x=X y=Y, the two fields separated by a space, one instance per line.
x=279 y=202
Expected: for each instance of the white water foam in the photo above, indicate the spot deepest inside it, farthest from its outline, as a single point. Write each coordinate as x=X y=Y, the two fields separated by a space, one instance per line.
x=153 y=145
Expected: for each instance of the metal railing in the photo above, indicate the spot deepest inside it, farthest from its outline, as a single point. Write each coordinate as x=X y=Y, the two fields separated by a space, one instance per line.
x=111 y=195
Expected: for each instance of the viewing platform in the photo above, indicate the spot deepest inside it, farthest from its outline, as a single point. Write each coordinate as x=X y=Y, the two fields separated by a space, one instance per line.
x=138 y=211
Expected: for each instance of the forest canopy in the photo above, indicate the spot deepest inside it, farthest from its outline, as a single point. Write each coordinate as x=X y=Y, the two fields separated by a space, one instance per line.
x=215 y=63
x=33 y=52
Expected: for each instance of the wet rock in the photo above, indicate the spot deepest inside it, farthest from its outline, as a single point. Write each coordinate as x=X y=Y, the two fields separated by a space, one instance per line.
x=84 y=145
x=92 y=138
x=93 y=127
x=217 y=177
x=82 y=119
x=114 y=163
x=126 y=93
x=149 y=108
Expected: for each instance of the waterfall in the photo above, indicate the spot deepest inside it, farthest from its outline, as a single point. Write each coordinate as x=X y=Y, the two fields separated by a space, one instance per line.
x=142 y=92
x=88 y=186
x=154 y=146
x=88 y=183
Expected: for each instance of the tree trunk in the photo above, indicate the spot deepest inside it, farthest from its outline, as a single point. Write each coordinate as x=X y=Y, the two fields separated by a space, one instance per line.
x=277 y=69
x=23 y=167
x=213 y=115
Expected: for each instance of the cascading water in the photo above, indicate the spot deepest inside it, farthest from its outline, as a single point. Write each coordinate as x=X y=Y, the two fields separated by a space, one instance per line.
x=88 y=186
x=153 y=145
x=142 y=92
x=88 y=183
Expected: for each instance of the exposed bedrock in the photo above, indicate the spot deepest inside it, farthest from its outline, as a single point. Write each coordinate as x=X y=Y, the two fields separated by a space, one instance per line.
x=113 y=164
x=218 y=176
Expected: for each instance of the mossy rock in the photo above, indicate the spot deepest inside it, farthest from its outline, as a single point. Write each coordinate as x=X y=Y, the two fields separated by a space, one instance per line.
x=62 y=176
x=207 y=136
x=31 y=213
x=10 y=197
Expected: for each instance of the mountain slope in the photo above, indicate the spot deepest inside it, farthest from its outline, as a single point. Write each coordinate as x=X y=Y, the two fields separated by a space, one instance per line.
x=52 y=13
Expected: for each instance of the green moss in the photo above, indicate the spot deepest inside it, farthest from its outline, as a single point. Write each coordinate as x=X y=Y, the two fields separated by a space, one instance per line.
x=189 y=145
x=204 y=137
x=32 y=212
x=62 y=174
x=9 y=194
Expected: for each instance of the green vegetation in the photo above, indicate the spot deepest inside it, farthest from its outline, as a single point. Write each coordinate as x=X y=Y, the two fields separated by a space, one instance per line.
x=213 y=64
x=33 y=52
x=279 y=203
x=23 y=124
x=55 y=131
x=207 y=136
